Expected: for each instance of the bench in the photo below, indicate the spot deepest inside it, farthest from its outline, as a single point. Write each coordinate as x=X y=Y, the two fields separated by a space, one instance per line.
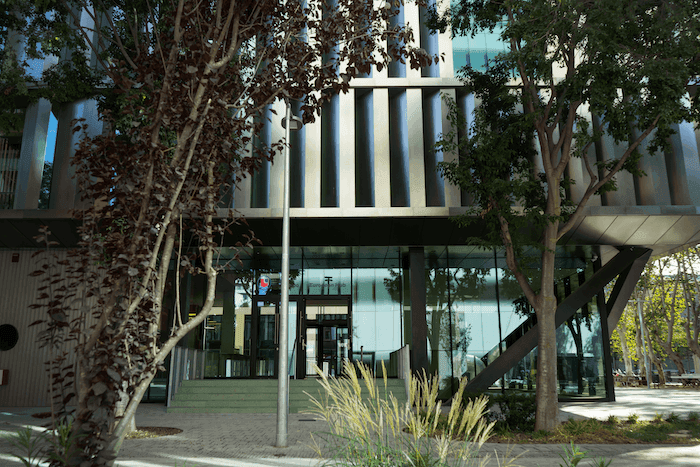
x=688 y=379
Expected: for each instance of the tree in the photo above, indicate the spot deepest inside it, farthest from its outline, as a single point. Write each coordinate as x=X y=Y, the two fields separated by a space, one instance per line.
x=627 y=63
x=184 y=89
x=661 y=287
x=691 y=323
x=623 y=337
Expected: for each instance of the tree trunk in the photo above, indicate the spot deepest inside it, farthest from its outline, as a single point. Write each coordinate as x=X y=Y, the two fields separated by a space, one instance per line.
x=640 y=348
x=627 y=359
x=693 y=344
x=690 y=325
x=622 y=334
x=121 y=408
x=653 y=358
x=674 y=356
x=119 y=435
x=676 y=359
x=547 y=413
x=669 y=316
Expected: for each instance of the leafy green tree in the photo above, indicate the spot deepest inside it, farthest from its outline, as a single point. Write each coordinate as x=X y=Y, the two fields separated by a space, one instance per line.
x=691 y=322
x=665 y=305
x=622 y=340
x=184 y=88
x=628 y=63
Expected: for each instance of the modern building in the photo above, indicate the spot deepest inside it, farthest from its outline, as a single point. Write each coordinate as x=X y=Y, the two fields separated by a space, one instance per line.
x=377 y=264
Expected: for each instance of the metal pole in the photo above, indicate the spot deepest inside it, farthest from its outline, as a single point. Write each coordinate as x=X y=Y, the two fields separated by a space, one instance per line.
x=498 y=311
x=283 y=372
x=644 y=341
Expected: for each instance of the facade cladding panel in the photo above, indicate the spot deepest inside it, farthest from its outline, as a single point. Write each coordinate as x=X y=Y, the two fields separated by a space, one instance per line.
x=376 y=263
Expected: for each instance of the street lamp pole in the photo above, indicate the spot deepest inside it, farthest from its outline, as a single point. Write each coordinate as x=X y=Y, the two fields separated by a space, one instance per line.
x=289 y=123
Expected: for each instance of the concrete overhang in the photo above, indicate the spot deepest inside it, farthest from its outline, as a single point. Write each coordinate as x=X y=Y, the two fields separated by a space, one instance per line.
x=663 y=229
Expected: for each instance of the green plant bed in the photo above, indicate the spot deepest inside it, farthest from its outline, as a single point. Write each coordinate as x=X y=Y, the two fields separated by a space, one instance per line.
x=514 y=417
x=612 y=431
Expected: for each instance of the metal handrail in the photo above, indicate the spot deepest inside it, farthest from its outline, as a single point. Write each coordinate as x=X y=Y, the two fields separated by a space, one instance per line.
x=291 y=358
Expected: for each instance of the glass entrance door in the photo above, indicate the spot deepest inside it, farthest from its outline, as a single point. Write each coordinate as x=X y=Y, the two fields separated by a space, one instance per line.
x=319 y=334
x=325 y=337
x=266 y=313
x=266 y=329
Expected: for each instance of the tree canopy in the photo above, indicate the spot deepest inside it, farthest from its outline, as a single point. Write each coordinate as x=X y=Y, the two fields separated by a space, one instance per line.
x=574 y=72
x=184 y=88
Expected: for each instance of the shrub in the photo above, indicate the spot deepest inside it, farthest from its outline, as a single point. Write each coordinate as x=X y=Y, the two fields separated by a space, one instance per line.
x=516 y=412
x=632 y=418
x=29 y=444
x=36 y=447
x=573 y=455
x=368 y=431
x=579 y=427
x=673 y=418
x=693 y=417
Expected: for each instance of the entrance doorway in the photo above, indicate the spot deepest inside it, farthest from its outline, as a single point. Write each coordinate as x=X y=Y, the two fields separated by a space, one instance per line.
x=325 y=337
x=244 y=343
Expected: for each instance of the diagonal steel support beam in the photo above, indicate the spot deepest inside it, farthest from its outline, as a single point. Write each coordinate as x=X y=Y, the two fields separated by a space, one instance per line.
x=624 y=286
x=623 y=262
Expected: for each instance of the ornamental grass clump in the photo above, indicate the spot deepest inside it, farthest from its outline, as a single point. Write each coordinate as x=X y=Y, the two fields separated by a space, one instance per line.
x=370 y=427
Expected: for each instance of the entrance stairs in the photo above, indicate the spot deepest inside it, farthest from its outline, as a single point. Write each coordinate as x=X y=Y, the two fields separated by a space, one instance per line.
x=256 y=396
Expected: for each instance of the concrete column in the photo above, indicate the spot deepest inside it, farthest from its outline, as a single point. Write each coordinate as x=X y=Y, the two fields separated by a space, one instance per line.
x=682 y=161
x=312 y=165
x=64 y=193
x=467 y=105
x=382 y=165
x=606 y=149
x=346 y=165
x=445 y=47
x=412 y=18
x=576 y=170
x=416 y=156
x=31 y=159
x=432 y=129
x=651 y=189
x=452 y=195
x=428 y=42
x=241 y=193
x=419 y=328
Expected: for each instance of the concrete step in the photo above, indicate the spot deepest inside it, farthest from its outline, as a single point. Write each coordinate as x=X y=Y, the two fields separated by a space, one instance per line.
x=256 y=396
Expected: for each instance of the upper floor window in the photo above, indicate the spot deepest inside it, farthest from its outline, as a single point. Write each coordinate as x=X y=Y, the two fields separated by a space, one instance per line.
x=476 y=51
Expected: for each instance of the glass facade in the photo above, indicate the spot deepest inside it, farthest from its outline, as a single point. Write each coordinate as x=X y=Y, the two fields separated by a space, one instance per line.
x=355 y=303
x=477 y=50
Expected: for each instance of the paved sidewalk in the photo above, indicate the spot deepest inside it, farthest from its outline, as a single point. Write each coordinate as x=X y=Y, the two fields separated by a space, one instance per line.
x=246 y=440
